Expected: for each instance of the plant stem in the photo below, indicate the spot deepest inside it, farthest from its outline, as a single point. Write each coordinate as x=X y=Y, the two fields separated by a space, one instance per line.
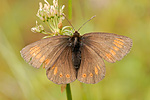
x=68 y=92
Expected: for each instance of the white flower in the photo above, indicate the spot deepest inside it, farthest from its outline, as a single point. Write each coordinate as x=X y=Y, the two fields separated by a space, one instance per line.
x=62 y=9
x=47 y=3
x=55 y=3
x=37 y=28
x=52 y=16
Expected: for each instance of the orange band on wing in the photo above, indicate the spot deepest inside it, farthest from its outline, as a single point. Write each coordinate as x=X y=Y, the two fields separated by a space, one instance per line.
x=98 y=67
x=118 y=45
x=34 y=50
x=47 y=61
x=55 y=71
x=120 y=39
x=118 y=42
x=112 y=52
x=115 y=48
x=108 y=55
x=96 y=71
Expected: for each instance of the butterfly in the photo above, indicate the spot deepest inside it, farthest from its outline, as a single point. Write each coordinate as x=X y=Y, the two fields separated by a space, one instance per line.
x=67 y=58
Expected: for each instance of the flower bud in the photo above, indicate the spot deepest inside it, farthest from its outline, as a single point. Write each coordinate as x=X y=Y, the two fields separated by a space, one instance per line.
x=60 y=25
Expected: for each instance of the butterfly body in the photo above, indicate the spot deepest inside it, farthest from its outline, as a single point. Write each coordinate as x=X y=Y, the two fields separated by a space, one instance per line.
x=67 y=58
x=76 y=49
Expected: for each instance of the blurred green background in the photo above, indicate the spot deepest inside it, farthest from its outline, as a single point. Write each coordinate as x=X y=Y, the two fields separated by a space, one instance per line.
x=128 y=79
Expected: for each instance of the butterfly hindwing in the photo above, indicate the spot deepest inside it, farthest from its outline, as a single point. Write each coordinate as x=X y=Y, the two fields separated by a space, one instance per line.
x=44 y=51
x=62 y=71
x=92 y=68
x=109 y=46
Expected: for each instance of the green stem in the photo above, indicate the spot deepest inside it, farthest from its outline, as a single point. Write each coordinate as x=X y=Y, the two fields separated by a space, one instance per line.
x=68 y=92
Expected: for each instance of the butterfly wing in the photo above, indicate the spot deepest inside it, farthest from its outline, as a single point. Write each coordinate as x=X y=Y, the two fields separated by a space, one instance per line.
x=109 y=46
x=96 y=46
x=54 y=54
x=62 y=71
x=44 y=51
x=92 y=68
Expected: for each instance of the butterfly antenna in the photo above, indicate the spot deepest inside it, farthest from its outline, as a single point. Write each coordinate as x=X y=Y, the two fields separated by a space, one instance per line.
x=87 y=21
x=69 y=22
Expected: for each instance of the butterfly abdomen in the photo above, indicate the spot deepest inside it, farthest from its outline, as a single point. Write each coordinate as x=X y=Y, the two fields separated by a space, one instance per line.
x=76 y=52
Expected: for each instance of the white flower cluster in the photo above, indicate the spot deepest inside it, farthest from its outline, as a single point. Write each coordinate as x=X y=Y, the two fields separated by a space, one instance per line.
x=50 y=11
x=52 y=16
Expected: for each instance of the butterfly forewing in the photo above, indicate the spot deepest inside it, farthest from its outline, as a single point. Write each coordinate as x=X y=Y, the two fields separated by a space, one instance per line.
x=109 y=46
x=42 y=52
x=62 y=71
x=92 y=68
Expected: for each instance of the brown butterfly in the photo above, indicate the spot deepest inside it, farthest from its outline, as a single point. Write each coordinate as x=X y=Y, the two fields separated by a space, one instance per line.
x=67 y=58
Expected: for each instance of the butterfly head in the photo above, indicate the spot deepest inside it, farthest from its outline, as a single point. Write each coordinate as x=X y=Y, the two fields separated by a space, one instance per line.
x=75 y=39
x=76 y=34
